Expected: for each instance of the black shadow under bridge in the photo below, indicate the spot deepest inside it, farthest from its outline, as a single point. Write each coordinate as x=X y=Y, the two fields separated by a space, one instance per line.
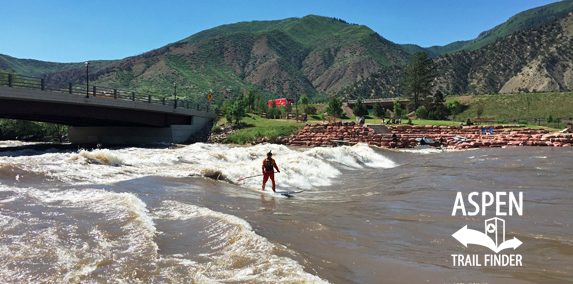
x=102 y=115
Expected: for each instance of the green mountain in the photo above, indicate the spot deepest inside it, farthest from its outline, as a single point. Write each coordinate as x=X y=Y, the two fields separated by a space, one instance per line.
x=36 y=68
x=320 y=57
x=524 y=20
x=312 y=55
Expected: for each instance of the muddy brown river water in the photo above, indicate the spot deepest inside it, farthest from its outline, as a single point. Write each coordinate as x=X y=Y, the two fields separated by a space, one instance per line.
x=157 y=215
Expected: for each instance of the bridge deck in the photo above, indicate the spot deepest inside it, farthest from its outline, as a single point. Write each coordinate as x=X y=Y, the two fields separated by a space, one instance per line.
x=76 y=110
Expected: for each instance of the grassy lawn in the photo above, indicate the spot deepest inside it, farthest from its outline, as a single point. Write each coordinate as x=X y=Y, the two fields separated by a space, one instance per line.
x=517 y=106
x=256 y=127
x=511 y=108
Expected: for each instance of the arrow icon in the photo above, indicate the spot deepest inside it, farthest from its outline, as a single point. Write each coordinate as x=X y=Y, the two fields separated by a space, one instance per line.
x=468 y=236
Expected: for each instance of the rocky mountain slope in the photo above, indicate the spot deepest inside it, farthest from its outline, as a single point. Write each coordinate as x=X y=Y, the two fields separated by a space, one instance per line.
x=521 y=21
x=322 y=57
x=537 y=59
x=312 y=55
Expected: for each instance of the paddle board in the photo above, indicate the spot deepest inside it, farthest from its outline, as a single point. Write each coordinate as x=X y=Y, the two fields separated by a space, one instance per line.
x=288 y=193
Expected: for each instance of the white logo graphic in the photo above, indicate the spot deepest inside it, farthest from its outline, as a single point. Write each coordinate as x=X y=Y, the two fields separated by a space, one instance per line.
x=493 y=238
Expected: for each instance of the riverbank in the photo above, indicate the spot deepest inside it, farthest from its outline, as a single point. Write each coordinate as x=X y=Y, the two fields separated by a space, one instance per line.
x=256 y=130
x=456 y=137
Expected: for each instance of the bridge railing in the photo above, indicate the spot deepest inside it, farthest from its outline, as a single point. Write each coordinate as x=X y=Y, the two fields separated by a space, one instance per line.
x=377 y=100
x=34 y=83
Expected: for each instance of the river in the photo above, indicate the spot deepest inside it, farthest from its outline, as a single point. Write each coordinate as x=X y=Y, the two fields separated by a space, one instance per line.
x=176 y=214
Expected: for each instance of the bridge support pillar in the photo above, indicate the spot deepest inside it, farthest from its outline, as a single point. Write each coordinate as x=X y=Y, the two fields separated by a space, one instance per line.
x=135 y=135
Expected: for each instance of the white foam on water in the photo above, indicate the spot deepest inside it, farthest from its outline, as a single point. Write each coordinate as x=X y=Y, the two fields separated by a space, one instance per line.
x=354 y=156
x=92 y=235
x=65 y=236
x=16 y=143
x=301 y=168
x=240 y=255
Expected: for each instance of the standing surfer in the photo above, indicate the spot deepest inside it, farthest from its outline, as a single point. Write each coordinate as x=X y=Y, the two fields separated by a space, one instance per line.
x=268 y=171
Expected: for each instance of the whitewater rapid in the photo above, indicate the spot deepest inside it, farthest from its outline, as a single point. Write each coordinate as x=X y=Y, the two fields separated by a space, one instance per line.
x=300 y=168
x=66 y=217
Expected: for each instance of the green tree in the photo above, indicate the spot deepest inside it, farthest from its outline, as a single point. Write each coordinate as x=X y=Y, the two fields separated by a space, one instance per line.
x=334 y=107
x=288 y=107
x=310 y=110
x=250 y=101
x=236 y=111
x=31 y=130
x=378 y=110
x=360 y=108
x=454 y=106
x=397 y=109
x=436 y=106
x=421 y=112
x=419 y=77
x=304 y=100
x=273 y=111
x=262 y=104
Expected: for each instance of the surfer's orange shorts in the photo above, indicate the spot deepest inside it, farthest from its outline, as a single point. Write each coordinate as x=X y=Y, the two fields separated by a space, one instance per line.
x=266 y=178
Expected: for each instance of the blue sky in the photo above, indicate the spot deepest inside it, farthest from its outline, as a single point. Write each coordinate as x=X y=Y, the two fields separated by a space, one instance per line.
x=76 y=31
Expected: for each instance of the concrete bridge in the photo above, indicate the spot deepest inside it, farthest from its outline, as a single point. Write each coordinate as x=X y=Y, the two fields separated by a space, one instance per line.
x=100 y=115
x=387 y=103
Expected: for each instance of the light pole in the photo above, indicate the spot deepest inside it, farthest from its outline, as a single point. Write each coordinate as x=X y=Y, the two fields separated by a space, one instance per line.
x=87 y=63
x=175 y=92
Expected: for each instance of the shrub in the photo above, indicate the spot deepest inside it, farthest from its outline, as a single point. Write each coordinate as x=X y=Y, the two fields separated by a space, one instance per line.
x=236 y=111
x=421 y=112
x=432 y=116
x=522 y=122
x=216 y=129
x=549 y=119
x=310 y=110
